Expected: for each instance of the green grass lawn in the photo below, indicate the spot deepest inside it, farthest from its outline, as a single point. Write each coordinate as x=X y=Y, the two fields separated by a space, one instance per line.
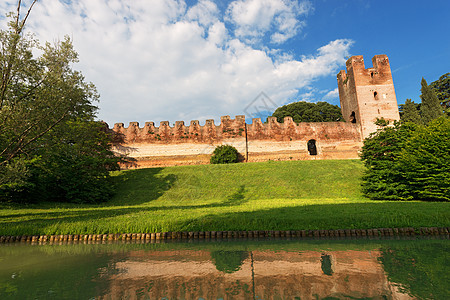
x=291 y=195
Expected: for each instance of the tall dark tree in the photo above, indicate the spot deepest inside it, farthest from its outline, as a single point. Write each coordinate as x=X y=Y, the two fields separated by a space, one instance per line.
x=430 y=108
x=442 y=90
x=410 y=113
x=309 y=112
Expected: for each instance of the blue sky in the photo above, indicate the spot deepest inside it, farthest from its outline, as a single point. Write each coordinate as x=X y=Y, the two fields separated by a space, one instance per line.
x=182 y=60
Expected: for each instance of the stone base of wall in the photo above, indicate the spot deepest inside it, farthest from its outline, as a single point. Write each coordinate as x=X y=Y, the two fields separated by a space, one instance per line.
x=203 y=159
x=168 y=161
x=291 y=155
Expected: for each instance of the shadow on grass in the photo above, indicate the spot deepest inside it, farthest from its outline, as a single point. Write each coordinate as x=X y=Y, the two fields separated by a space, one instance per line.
x=327 y=216
x=132 y=187
x=46 y=218
x=135 y=187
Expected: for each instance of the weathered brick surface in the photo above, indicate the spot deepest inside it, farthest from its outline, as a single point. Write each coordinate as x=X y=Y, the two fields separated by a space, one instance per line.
x=367 y=94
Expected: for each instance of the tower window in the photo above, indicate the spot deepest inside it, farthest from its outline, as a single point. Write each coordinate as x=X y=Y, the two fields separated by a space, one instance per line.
x=375 y=95
x=352 y=118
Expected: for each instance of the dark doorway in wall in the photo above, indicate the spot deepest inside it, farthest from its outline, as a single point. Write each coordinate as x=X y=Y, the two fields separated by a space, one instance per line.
x=312 y=149
x=352 y=118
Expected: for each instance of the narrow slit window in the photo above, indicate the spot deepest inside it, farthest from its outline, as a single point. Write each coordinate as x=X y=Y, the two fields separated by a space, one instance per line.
x=352 y=118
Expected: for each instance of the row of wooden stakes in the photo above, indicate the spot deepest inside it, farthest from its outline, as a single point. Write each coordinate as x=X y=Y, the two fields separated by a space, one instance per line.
x=378 y=232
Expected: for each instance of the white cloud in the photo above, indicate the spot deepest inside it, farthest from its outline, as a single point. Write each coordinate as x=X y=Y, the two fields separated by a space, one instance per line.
x=331 y=94
x=167 y=61
x=205 y=12
x=254 y=19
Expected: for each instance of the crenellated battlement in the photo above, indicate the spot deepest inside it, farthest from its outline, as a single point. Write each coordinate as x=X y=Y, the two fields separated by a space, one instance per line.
x=357 y=74
x=228 y=128
x=234 y=129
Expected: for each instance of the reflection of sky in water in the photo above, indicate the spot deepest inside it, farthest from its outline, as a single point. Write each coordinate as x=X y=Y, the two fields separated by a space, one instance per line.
x=297 y=269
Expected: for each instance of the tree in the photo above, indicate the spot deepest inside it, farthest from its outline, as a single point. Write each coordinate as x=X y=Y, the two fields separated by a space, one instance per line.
x=442 y=89
x=382 y=178
x=408 y=161
x=409 y=112
x=47 y=119
x=430 y=108
x=309 y=112
x=425 y=161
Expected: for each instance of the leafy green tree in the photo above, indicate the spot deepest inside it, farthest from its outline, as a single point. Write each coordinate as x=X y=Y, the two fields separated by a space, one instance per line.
x=380 y=153
x=410 y=113
x=442 y=89
x=309 y=112
x=48 y=125
x=408 y=161
x=224 y=154
x=430 y=108
x=425 y=161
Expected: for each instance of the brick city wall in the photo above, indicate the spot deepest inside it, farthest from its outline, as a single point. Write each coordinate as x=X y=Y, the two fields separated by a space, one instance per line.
x=193 y=144
x=365 y=95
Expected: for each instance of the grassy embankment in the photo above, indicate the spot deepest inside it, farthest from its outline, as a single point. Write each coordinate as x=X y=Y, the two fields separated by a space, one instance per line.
x=291 y=195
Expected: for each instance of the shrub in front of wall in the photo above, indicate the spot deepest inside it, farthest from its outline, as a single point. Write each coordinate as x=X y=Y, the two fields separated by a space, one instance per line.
x=224 y=154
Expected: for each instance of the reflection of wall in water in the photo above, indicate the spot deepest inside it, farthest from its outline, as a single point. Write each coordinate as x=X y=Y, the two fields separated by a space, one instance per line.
x=267 y=275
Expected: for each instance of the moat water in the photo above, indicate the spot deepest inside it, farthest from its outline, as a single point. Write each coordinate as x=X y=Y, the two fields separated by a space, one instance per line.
x=251 y=269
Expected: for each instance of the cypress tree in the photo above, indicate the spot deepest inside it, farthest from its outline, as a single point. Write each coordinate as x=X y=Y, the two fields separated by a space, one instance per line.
x=442 y=89
x=410 y=112
x=430 y=108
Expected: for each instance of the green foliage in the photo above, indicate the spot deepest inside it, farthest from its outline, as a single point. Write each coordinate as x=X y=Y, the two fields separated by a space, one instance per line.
x=309 y=112
x=224 y=154
x=409 y=112
x=50 y=146
x=442 y=89
x=408 y=161
x=228 y=261
x=15 y=178
x=76 y=164
x=425 y=161
x=430 y=108
x=380 y=153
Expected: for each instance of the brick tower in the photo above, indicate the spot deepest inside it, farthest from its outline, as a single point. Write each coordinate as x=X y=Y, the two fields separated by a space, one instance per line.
x=367 y=94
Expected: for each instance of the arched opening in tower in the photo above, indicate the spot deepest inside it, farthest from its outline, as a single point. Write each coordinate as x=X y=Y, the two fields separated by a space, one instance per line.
x=352 y=118
x=312 y=149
